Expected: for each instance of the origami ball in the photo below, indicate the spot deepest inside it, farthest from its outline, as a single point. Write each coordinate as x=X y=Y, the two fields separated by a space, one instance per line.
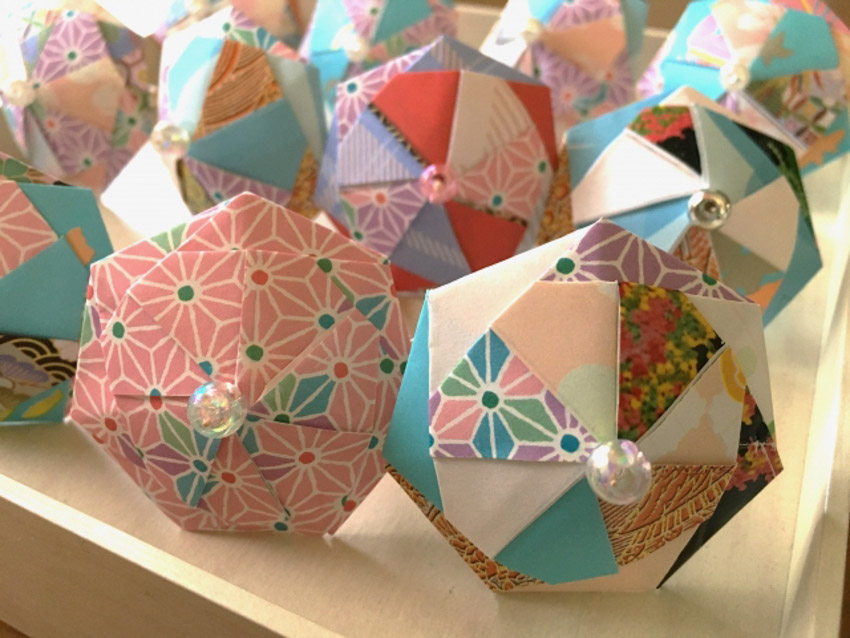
x=249 y=113
x=304 y=323
x=441 y=160
x=49 y=234
x=519 y=371
x=347 y=37
x=784 y=66
x=585 y=50
x=78 y=95
x=693 y=180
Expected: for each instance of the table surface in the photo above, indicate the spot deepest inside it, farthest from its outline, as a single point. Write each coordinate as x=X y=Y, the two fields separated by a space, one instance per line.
x=82 y=551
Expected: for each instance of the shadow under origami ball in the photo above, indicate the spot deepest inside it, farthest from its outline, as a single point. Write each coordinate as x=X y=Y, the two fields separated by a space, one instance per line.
x=307 y=326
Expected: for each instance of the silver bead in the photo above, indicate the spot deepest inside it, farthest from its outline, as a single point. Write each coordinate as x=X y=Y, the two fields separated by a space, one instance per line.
x=618 y=472
x=709 y=209
x=170 y=140
x=19 y=93
x=356 y=47
x=734 y=76
x=216 y=410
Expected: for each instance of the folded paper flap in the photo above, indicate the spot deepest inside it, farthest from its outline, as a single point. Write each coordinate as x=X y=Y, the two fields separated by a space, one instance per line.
x=23 y=231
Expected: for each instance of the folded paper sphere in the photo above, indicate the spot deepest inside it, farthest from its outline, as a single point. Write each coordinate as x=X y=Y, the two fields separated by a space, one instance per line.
x=518 y=372
x=783 y=65
x=442 y=160
x=49 y=235
x=301 y=322
x=77 y=94
x=241 y=113
x=695 y=181
x=346 y=37
x=585 y=50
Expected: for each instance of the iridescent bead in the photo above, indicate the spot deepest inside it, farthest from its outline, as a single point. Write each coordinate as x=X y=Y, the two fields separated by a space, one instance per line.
x=19 y=93
x=734 y=76
x=356 y=47
x=216 y=410
x=170 y=140
x=618 y=472
x=532 y=31
x=438 y=183
x=709 y=209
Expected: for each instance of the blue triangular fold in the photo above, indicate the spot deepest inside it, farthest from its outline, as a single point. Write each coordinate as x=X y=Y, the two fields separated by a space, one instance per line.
x=398 y=15
x=429 y=248
x=568 y=542
x=53 y=415
x=266 y=145
x=446 y=53
x=408 y=444
x=44 y=296
x=704 y=79
x=805 y=263
x=371 y=154
x=587 y=141
x=808 y=42
x=635 y=13
x=543 y=9
x=188 y=80
x=764 y=170
x=661 y=224
x=67 y=207
x=332 y=66
x=329 y=17
x=327 y=191
x=694 y=13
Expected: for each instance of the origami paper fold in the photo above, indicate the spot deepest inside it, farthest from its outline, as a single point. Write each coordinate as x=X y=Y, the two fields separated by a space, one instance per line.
x=659 y=155
x=253 y=111
x=304 y=321
x=792 y=57
x=49 y=234
x=517 y=371
x=585 y=50
x=380 y=30
x=443 y=105
x=93 y=107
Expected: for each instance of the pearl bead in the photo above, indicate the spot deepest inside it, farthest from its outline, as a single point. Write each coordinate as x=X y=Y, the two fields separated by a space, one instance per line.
x=709 y=209
x=216 y=410
x=170 y=140
x=734 y=76
x=438 y=183
x=19 y=93
x=618 y=472
x=356 y=47
x=532 y=31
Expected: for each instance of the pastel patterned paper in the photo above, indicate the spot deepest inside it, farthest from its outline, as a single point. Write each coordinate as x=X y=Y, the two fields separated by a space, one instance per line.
x=491 y=447
x=661 y=152
x=307 y=325
x=384 y=29
x=229 y=83
x=795 y=55
x=49 y=235
x=443 y=105
x=92 y=78
x=584 y=50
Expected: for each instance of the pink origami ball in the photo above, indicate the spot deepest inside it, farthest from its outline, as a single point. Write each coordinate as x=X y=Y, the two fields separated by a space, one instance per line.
x=303 y=323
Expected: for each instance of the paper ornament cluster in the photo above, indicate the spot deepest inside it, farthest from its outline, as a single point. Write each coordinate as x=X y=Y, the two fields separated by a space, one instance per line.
x=347 y=37
x=585 y=50
x=302 y=320
x=784 y=66
x=664 y=156
x=251 y=111
x=444 y=110
x=517 y=372
x=78 y=94
x=49 y=235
